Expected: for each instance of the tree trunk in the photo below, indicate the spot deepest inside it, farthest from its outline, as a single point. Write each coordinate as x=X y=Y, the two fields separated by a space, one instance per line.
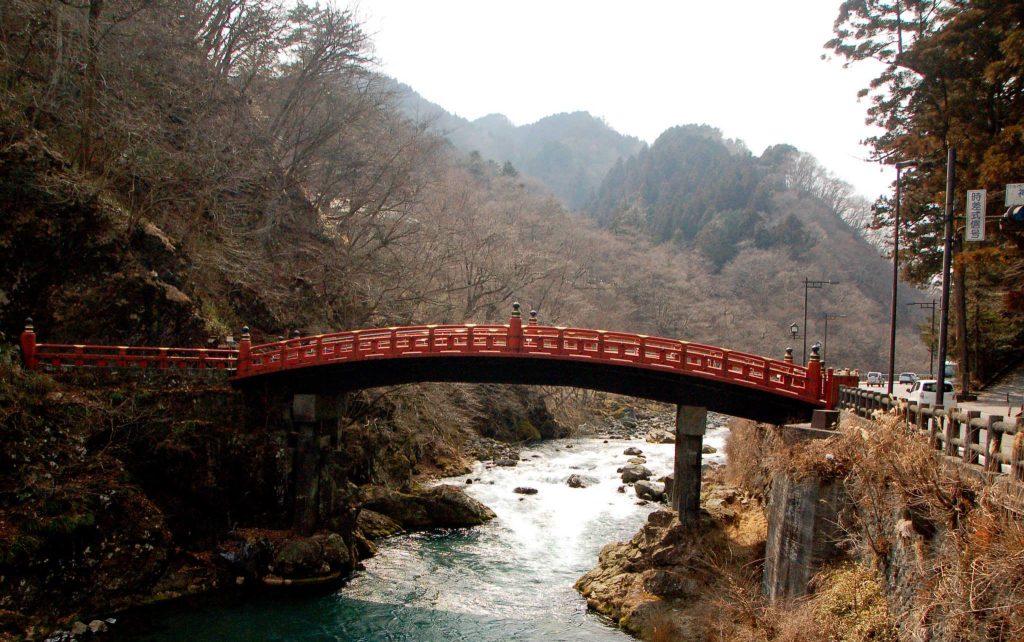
x=90 y=78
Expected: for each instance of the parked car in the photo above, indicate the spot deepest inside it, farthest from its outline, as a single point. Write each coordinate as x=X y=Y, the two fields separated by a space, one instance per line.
x=907 y=377
x=923 y=393
x=875 y=379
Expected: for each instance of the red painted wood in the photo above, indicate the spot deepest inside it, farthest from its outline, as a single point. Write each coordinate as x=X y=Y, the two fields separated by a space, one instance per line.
x=468 y=340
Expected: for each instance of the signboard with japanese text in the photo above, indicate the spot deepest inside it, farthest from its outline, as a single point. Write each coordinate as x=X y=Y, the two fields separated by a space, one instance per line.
x=1014 y=194
x=976 y=215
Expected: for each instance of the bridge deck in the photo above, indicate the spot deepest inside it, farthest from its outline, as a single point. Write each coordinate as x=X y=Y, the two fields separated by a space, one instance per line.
x=658 y=368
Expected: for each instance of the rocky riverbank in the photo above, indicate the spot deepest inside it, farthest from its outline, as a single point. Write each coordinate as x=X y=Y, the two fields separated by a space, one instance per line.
x=661 y=584
x=117 y=492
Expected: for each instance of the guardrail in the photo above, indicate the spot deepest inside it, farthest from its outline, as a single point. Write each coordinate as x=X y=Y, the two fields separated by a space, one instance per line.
x=994 y=444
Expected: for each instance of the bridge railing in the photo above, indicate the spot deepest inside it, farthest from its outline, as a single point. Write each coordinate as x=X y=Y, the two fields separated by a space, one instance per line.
x=58 y=355
x=513 y=339
x=533 y=340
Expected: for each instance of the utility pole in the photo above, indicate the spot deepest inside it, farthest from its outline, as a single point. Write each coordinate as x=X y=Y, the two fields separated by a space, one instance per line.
x=947 y=260
x=809 y=285
x=931 y=335
x=895 y=271
x=824 y=348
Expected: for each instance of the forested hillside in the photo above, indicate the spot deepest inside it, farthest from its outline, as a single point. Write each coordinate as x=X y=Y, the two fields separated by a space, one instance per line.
x=249 y=166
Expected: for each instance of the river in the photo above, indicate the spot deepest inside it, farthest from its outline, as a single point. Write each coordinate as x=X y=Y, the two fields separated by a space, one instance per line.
x=511 y=579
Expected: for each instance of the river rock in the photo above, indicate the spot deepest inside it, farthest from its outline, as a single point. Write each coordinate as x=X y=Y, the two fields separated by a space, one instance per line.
x=653 y=491
x=97 y=626
x=638 y=460
x=300 y=557
x=79 y=628
x=525 y=490
x=635 y=472
x=709 y=450
x=442 y=506
x=580 y=481
x=660 y=436
x=632 y=451
x=375 y=525
x=506 y=462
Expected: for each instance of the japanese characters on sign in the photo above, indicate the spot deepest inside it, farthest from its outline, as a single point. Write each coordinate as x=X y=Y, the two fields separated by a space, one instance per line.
x=976 y=215
x=1014 y=194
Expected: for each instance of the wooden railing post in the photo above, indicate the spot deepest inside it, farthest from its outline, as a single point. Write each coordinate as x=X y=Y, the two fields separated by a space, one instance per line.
x=515 y=329
x=28 y=345
x=814 y=373
x=1017 y=452
x=244 y=352
x=993 y=444
x=951 y=433
x=972 y=434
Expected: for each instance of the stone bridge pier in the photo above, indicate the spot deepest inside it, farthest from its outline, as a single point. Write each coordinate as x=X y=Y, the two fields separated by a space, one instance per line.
x=691 y=424
x=311 y=460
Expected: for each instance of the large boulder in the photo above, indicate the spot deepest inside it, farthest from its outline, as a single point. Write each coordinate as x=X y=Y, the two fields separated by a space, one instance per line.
x=374 y=525
x=635 y=472
x=443 y=506
x=632 y=451
x=653 y=491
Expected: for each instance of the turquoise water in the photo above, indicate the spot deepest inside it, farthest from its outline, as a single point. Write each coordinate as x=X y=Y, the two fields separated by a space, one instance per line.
x=511 y=579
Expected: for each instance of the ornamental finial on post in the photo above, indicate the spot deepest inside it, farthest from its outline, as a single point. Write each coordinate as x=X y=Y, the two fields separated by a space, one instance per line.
x=515 y=329
x=814 y=374
x=28 y=345
x=789 y=355
x=244 y=351
x=533 y=317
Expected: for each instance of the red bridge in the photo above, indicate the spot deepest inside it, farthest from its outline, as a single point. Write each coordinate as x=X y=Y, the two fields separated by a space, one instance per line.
x=668 y=370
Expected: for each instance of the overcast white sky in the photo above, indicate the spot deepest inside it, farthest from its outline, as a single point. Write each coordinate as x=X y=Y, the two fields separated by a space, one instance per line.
x=751 y=68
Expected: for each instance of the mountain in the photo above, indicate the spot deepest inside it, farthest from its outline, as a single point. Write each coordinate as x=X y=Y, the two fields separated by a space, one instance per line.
x=570 y=152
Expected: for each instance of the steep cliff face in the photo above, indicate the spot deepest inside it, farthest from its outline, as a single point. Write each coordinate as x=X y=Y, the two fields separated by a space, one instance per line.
x=75 y=262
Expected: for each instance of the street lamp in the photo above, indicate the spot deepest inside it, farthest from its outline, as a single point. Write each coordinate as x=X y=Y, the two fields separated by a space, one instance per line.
x=809 y=285
x=824 y=350
x=931 y=336
x=895 y=270
x=795 y=331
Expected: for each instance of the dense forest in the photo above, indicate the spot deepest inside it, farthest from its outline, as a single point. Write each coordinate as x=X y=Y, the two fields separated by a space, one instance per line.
x=951 y=79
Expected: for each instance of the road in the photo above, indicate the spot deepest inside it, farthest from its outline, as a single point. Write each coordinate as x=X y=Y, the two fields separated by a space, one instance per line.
x=1004 y=398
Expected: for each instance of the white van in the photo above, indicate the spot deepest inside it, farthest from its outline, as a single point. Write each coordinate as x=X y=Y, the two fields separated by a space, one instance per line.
x=923 y=393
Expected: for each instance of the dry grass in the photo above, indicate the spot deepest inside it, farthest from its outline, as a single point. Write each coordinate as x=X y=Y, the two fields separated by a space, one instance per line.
x=941 y=555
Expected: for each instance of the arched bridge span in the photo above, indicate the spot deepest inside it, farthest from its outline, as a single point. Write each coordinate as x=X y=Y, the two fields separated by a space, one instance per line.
x=667 y=370
x=662 y=369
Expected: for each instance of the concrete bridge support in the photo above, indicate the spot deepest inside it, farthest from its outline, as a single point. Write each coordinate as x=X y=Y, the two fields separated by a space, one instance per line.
x=314 y=419
x=691 y=423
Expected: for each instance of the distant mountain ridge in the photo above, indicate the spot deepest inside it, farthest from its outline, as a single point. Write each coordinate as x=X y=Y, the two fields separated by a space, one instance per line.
x=571 y=153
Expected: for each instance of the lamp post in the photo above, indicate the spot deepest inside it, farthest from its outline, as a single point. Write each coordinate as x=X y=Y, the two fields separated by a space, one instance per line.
x=824 y=349
x=895 y=269
x=931 y=336
x=809 y=285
